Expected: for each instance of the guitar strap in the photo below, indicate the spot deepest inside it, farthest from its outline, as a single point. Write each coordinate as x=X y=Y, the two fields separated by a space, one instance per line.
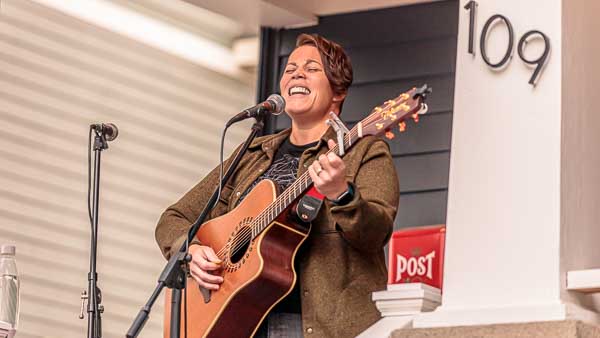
x=309 y=205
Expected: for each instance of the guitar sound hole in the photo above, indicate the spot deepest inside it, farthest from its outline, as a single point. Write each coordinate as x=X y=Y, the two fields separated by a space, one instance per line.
x=239 y=247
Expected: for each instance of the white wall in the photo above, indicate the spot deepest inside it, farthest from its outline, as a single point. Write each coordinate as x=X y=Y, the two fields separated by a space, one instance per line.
x=58 y=75
x=580 y=203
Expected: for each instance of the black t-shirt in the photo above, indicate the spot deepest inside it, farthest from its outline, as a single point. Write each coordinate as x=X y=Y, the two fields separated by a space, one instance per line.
x=283 y=171
x=284 y=168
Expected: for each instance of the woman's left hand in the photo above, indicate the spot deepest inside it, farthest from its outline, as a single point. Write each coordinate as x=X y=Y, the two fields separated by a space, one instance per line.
x=328 y=174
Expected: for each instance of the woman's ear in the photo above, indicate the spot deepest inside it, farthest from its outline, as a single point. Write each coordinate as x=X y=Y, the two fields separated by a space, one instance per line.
x=339 y=97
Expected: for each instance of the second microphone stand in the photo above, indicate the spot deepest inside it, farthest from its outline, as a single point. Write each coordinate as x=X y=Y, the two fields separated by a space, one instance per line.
x=95 y=308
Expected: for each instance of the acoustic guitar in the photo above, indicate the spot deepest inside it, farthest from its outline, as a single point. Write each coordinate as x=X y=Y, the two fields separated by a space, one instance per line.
x=258 y=240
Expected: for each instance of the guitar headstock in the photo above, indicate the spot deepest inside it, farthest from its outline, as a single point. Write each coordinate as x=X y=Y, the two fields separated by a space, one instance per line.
x=393 y=112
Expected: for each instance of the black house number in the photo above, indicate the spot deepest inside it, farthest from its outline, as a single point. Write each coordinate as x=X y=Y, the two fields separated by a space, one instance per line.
x=471 y=6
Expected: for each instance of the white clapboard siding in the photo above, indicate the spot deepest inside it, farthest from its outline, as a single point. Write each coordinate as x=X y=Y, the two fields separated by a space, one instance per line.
x=57 y=76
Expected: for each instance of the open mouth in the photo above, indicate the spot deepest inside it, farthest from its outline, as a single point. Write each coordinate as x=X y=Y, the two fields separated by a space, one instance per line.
x=298 y=90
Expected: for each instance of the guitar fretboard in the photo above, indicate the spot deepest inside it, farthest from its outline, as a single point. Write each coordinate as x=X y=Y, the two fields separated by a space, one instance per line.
x=297 y=188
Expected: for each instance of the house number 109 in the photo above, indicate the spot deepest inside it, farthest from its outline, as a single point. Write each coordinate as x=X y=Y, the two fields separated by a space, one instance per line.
x=471 y=6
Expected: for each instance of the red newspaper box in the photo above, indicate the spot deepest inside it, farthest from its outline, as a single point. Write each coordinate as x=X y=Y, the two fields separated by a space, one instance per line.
x=416 y=255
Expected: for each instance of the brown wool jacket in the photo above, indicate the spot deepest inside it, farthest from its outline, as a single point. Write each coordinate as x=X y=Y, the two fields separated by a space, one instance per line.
x=344 y=261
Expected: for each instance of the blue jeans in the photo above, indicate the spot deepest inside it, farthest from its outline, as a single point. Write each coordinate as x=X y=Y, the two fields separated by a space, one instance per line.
x=281 y=325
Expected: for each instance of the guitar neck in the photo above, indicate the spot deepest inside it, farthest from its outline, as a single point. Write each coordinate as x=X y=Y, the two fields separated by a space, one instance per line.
x=300 y=185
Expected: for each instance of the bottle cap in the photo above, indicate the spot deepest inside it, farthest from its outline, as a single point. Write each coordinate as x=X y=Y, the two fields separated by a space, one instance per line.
x=8 y=249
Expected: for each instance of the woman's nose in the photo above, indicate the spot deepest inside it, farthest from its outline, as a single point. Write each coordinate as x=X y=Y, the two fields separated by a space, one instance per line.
x=298 y=74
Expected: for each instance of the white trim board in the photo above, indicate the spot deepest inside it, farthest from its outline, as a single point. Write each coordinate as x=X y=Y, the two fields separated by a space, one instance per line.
x=444 y=317
x=587 y=281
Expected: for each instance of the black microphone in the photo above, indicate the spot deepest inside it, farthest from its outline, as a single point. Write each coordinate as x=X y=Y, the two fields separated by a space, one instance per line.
x=274 y=104
x=109 y=130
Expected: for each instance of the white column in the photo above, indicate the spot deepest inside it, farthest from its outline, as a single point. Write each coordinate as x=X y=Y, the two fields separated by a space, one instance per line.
x=504 y=222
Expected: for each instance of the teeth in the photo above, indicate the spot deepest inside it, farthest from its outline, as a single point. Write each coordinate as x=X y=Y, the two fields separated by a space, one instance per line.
x=299 y=90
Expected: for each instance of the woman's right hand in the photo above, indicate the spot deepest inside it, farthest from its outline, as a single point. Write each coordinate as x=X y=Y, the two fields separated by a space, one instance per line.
x=205 y=266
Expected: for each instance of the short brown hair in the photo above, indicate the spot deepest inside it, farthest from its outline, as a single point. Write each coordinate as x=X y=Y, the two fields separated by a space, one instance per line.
x=338 y=68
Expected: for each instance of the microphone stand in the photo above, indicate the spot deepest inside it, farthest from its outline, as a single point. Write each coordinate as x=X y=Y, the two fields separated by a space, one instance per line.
x=95 y=309
x=173 y=275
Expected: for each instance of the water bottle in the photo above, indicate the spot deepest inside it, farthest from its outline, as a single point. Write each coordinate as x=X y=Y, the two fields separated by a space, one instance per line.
x=9 y=286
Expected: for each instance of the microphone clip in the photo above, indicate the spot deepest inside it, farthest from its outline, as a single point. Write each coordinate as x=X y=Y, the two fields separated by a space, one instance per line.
x=274 y=104
x=105 y=132
x=109 y=130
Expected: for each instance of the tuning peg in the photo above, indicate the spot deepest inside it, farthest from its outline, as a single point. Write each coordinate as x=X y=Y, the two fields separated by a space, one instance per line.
x=402 y=126
x=415 y=117
x=389 y=135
